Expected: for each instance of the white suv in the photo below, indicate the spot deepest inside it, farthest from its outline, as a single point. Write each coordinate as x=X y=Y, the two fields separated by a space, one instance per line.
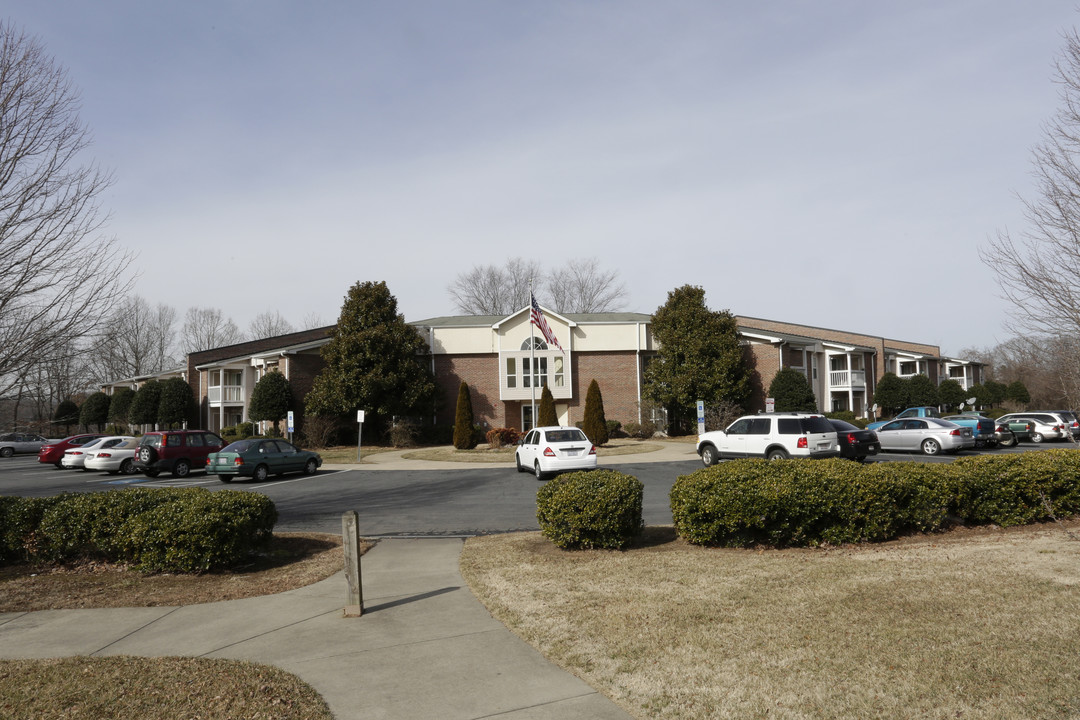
x=775 y=436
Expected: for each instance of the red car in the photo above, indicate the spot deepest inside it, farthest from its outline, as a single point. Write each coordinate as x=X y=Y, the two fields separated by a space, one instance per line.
x=54 y=452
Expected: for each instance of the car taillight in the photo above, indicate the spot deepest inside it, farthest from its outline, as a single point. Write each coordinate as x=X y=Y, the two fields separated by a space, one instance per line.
x=207 y=461
x=955 y=432
x=75 y=452
x=238 y=460
x=592 y=449
x=999 y=428
x=548 y=452
x=104 y=454
x=802 y=442
x=851 y=439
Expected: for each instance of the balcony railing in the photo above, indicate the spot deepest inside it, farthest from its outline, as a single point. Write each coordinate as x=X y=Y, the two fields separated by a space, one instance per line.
x=847 y=379
x=225 y=393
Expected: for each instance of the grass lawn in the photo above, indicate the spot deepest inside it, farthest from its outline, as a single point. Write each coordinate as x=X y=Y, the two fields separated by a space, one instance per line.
x=967 y=624
x=83 y=688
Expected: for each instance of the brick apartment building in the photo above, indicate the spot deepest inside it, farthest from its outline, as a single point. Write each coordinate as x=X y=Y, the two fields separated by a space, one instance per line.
x=506 y=361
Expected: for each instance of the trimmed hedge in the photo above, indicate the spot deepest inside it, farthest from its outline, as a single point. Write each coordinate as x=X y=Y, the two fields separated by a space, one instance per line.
x=591 y=509
x=155 y=530
x=804 y=503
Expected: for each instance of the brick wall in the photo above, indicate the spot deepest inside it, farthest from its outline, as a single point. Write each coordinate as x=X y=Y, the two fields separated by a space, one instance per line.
x=616 y=373
x=481 y=373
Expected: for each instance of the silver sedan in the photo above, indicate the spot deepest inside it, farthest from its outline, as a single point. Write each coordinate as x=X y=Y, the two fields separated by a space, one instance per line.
x=11 y=443
x=928 y=435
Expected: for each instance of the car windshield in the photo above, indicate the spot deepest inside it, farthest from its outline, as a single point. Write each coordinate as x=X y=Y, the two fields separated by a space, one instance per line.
x=129 y=443
x=239 y=446
x=564 y=436
x=151 y=440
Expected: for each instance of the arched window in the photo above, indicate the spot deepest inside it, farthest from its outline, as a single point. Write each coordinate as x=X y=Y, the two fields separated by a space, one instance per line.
x=534 y=343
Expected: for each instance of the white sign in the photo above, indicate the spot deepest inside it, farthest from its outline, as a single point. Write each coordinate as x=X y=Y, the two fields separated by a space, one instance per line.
x=701 y=417
x=359 y=416
x=770 y=404
x=289 y=421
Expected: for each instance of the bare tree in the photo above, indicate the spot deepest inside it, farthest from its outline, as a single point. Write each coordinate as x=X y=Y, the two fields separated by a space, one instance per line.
x=206 y=328
x=269 y=324
x=311 y=321
x=56 y=271
x=582 y=287
x=491 y=290
x=136 y=340
x=1039 y=271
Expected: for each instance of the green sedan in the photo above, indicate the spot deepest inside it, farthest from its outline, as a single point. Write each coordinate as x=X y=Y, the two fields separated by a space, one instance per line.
x=259 y=458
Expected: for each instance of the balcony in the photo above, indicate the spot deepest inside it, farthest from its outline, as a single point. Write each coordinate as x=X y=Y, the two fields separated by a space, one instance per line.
x=847 y=379
x=225 y=394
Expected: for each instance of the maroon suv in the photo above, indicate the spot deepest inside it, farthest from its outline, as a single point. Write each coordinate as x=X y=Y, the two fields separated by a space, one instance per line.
x=175 y=451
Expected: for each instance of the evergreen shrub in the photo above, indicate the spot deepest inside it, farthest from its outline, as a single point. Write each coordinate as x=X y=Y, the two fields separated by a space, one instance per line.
x=157 y=530
x=591 y=509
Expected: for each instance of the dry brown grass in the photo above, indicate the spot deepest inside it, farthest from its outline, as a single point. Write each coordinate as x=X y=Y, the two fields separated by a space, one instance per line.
x=973 y=624
x=83 y=688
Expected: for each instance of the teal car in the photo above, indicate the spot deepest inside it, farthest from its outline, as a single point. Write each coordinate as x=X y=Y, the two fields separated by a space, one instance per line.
x=259 y=458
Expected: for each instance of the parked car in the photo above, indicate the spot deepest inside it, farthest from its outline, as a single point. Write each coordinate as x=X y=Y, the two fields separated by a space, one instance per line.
x=119 y=458
x=1072 y=422
x=912 y=412
x=175 y=451
x=983 y=428
x=11 y=443
x=259 y=458
x=1021 y=429
x=75 y=458
x=774 y=436
x=929 y=435
x=854 y=442
x=1047 y=425
x=53 y=453
x=547 y=451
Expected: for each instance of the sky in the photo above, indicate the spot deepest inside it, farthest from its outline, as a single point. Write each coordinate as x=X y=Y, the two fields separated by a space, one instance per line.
x=836 y=164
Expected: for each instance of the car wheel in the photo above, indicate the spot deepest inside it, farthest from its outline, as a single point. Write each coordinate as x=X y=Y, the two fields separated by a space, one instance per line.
x=127 y=466
x=537 y=471
x=7 y=452
x=1036 y=437
x=147 y=455
x=930 y=447
x=777 y=454
x=261 y=473
x=59 y=465
x=151 y=472
x=1009 y=443
x=225 y=478
x=181 y=469
x=709 y=456
x=311 y=467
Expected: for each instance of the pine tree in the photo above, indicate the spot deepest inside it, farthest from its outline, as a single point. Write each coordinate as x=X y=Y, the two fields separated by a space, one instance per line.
x=375 y=361
x=698 y=358
x=595 y=425
x=271 y=399
x=791 y=392
x=464 y=432
x=546 y=412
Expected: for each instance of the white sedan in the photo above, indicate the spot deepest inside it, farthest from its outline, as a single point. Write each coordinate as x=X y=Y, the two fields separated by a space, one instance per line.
x=76 y=457
x=549 y=450
x=119 y=458
x=930 y=435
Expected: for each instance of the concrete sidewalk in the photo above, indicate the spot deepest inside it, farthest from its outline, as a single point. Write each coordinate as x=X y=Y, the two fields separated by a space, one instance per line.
x=424 y=648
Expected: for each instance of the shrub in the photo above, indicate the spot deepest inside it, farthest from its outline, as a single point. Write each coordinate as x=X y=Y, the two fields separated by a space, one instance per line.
x=319 y=430
x=799 y=502
x=614 y=429
x=500 y=437
x=546 y=416
x=464 y=435
x=403 y=434
x=1015 y=489
x=591 y=509
x=792 y=392
x=201 y=531
x=595 y=424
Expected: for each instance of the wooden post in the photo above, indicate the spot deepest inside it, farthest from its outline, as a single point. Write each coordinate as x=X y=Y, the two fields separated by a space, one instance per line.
x=350 y=538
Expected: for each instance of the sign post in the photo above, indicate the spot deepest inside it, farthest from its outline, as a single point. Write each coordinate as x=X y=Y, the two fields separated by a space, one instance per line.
x=770 y=404
x=289 y=424
x=360 y=433
x=700 y=417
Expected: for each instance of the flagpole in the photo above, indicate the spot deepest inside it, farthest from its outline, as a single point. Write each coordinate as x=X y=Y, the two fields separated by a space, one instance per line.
x=532 y=355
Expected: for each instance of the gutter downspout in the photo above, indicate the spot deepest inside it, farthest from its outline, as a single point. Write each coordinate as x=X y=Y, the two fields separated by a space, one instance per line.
x=637 y=360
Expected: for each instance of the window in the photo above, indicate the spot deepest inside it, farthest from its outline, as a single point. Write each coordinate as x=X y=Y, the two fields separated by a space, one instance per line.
x=511 y=372
x=196 y=440
x=909 y=368
x=739 y=427
x=174 y=440
x=558 y=379
x=538 y=376
x=534 y=343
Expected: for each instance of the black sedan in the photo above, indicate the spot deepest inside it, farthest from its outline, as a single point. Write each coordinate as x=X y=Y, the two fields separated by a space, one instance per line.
x=855 y=443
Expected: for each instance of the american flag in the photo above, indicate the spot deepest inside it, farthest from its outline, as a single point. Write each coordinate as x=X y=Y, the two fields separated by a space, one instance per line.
x=537 y=317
